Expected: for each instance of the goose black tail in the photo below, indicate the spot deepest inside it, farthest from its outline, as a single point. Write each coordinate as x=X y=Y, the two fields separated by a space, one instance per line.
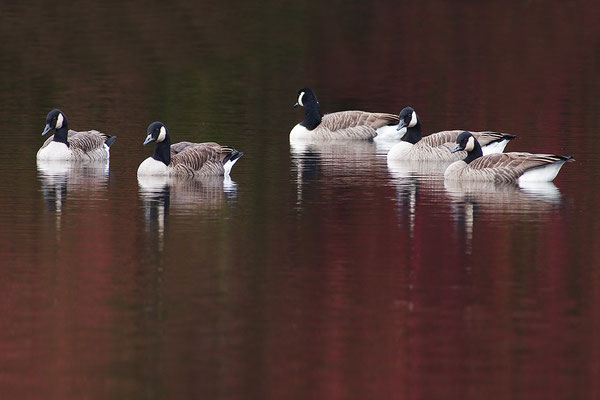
x=233 y=156
x=110 y=140
x=567 y=158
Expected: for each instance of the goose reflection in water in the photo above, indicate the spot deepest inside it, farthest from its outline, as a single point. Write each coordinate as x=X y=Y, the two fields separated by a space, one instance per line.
x=339 y=161
x=414 y=179
x=160 y=194
x=470 y=199
x=61 y=179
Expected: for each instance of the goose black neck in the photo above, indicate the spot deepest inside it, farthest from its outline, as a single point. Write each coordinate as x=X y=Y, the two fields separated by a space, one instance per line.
x=60 y=135
x=312 y=115
x=162 y=151
x=413 y=135
x=474 y=154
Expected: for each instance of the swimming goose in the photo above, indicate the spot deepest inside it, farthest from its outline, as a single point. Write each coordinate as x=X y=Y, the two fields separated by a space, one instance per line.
x=502 y=167
x=358 y=125
x=437 y=146
x=185 y=158
x=68 y=145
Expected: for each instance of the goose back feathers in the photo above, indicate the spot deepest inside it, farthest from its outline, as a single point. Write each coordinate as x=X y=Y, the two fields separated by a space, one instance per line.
x=343 y=125
x=70 y=145
x=503 y=167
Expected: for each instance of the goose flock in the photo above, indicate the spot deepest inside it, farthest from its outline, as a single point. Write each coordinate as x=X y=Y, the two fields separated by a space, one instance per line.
x=474 y=156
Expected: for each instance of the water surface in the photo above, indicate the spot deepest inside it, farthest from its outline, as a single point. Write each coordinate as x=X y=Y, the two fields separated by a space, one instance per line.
x=318 y=271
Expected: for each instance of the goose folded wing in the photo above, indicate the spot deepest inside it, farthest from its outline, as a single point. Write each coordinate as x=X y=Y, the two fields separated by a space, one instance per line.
x=441 y=139
x=486 y=137
x=203 y=159
x=350 y=119
x=181 y=146
x=448 y=138
x=510 y=166
x=86 y=141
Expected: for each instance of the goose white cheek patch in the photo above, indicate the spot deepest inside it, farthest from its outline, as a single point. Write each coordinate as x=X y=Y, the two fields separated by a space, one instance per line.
x=162 y=134
x=413 y=120
x=300 y=99
x=59 y=121
x=470 y=144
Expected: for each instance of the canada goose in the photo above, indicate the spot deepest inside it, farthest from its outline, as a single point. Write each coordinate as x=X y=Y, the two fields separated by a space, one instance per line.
x=358 y=125
x=68 y=145
x=437 y=146
x=503 y=167
x=185 y=158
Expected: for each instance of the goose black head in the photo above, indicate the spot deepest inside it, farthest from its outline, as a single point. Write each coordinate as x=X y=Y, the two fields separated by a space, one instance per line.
x=409 y=125
x=312 y=108
x=306 y=98
x=55 y=119
x=408 y=118
x=157 y=132
x=467 y=142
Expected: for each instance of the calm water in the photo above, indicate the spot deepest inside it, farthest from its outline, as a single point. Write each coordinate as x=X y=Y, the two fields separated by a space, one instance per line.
x=318 y=271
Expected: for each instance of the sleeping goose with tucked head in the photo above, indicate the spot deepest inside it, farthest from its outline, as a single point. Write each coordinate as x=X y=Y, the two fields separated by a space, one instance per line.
x=185 y=158
x=343 y=125
x=502 y=167
x=437 y=146
x=68 y=145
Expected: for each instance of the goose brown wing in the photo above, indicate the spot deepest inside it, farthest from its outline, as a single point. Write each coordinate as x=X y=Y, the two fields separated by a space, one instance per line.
x=353 y=125
x=448 y=138
x=181 y=146
x=486 y=137
x=201 y=159
x=444 y=138
x=86 y=141
x=350 y=119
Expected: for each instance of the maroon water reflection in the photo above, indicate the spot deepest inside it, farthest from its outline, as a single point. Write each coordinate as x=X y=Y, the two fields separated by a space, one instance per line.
x=316 y=276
